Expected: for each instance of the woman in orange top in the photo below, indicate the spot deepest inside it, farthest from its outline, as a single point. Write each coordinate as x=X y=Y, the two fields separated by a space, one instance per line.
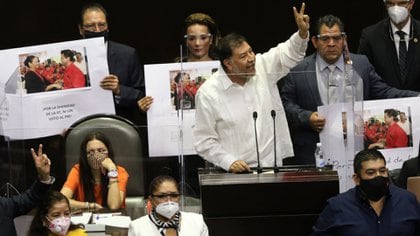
x=96 y=181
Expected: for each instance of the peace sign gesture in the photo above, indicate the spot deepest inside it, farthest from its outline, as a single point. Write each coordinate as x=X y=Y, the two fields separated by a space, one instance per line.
x=42 y=164
x=302 y=21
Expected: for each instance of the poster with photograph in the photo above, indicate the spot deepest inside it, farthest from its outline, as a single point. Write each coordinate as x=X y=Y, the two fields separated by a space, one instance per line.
x=45 y=88
x=171 y=117
x=389 y=125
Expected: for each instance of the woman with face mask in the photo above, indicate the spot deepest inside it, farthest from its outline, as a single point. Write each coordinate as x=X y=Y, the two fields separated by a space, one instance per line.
x=166 y=219
x=52 y=217
x=96 y=181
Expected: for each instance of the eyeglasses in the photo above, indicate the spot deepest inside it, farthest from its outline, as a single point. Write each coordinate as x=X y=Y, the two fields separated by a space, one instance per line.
x=327 y=38
x=164 y=196
x=400 y=4
x=92 y=27
x=201 y=37
x=100 y=150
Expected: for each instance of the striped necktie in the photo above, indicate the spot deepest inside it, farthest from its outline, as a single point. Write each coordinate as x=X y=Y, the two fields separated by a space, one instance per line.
x=402 y=59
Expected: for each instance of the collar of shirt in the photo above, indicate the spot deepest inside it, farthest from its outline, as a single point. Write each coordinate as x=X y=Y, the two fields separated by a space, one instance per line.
x=405 y=29
x=322 y=65
x=224 y=78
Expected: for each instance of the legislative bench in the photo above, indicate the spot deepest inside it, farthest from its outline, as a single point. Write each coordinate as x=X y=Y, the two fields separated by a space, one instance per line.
x=283 y=203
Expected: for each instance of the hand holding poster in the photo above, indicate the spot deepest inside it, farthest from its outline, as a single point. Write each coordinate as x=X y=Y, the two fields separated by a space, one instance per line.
x=43 y=90
x=171 y=116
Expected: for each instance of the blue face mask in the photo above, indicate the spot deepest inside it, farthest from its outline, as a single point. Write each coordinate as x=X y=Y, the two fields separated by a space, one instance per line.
x=91 y=34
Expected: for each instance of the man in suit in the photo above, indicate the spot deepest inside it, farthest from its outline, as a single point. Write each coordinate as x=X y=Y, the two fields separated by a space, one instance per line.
x=126 y=79
x=381 y=44
x=308 y=86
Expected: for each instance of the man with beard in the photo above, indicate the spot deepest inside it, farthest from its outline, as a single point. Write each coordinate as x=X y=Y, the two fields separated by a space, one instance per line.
x=126 y=79
x=243 y=89
x=373 y=207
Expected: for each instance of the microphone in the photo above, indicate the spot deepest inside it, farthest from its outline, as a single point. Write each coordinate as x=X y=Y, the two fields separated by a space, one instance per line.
x=255 y=115
x=273 y=115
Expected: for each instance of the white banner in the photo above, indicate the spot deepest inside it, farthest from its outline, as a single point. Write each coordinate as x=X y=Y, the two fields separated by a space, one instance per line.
x=340 y=149
x=26 y=115
x=171 y=117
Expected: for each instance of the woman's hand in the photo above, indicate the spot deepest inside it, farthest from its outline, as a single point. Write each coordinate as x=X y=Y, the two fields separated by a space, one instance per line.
x=108 y=165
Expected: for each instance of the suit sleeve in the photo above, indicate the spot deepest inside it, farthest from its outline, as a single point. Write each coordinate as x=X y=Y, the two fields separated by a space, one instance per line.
x=22 y=204
x=289 y=97
x=379 y=89
x=134 y=88
x=364 y=47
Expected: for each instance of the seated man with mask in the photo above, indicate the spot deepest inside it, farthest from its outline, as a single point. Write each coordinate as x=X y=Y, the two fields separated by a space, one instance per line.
x=373 y=207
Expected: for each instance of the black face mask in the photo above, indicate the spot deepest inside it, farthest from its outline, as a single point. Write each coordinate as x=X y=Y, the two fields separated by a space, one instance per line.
x=374 y=189
x=91 y=34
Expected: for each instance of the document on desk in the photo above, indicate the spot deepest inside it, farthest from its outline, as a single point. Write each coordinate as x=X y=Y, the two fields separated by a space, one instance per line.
x=81 y=219
x=115 y=221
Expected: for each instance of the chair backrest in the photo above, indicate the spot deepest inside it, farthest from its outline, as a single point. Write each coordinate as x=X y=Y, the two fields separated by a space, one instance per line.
x=126 y=142
x=413 y=185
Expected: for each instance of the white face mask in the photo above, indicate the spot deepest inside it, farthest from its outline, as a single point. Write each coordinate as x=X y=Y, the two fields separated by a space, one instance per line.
x=397 y=14
x=59 y=226
x=167 y=209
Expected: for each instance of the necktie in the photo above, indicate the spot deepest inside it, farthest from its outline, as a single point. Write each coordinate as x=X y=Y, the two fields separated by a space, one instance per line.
x=332 y=86
x=402 y=59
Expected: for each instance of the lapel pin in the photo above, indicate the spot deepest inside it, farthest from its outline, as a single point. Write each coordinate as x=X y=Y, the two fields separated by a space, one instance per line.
x=415 y=40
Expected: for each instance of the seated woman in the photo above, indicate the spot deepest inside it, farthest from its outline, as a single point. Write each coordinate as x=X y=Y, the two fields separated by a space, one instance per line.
x=165 y=217
x=52 y=217
x=96 y=181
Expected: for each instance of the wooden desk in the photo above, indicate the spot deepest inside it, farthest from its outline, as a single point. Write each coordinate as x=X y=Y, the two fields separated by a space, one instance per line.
x=285 y=203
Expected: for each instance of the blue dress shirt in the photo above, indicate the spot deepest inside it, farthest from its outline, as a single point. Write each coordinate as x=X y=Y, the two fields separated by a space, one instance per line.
x=350 y=213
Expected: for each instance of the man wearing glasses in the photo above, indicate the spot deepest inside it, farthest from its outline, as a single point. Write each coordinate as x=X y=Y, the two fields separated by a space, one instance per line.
x=320 y=80
x=126 y=80
x=392 y=46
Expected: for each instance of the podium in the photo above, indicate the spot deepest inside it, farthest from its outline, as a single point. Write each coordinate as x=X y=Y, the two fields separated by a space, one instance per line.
x=284 y=203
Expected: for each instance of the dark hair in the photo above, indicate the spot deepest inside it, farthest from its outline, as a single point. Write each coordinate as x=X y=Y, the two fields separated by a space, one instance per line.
x=227 y=44
x=50 y=198
x=67 y=53
x=28 y=60
x=86 y=176
x=158 y=180
x=204 y=19
x=180 y=76
x=93 y=6
x=329 y=21
x=366 y=155
x=392 y=113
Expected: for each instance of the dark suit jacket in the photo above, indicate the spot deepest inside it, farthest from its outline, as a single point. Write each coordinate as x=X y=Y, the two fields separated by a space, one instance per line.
x=34 y=84
x=123 y=62
x=410 y=168
x=301 y=97
x=19 y=205
x=377 y=45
